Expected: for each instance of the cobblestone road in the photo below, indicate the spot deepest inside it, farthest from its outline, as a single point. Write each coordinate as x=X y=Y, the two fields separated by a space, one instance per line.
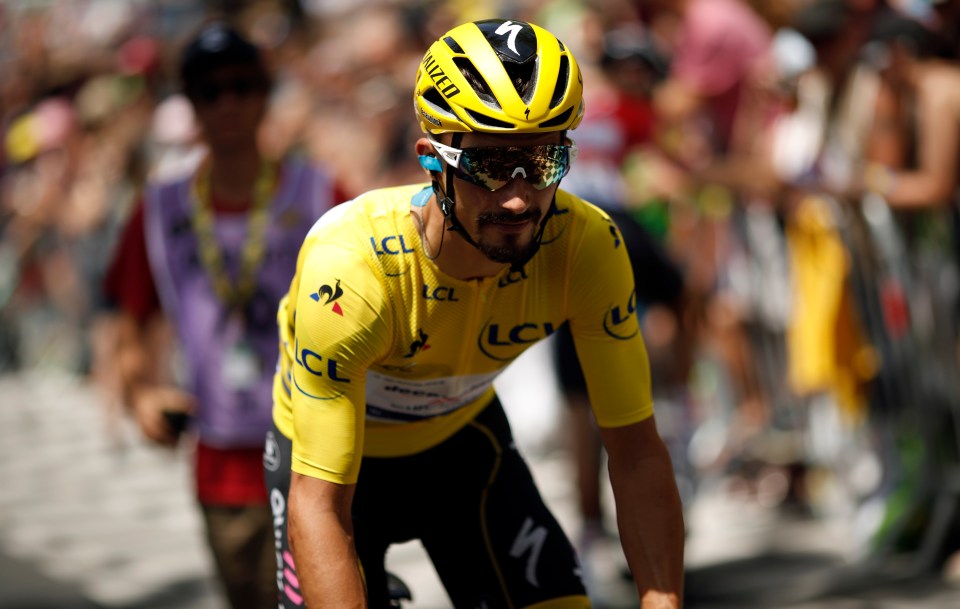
x=92 y=518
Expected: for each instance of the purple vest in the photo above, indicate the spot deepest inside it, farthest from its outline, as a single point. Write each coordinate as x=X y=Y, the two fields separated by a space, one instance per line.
x=228 y=415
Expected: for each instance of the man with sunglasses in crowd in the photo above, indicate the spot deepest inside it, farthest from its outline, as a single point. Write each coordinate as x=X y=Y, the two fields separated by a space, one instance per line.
x=212 y=252
x=409 y=301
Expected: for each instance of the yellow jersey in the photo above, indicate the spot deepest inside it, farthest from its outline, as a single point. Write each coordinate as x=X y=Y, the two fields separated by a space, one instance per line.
x=383 y=354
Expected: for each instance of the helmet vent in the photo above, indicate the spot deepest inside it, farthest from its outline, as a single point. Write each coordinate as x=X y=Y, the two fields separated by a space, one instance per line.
x=477 y=82
x=456 y=48
x=558 y=120
x=563 y=75
x=488 y=121
x=523 y=76
x=435 y=99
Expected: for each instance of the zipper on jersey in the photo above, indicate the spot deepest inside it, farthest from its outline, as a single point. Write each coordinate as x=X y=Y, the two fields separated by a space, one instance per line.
x=478 y=302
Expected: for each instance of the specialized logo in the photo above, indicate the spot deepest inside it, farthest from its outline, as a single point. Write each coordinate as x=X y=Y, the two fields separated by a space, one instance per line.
x=620 y=321
x=531 y=539
x=327 y=295
x=390 y=246
x=504 y=343
x=513 y=29
x=439 y=293
x=440 y=80
x=418 y=345
x=435 y=121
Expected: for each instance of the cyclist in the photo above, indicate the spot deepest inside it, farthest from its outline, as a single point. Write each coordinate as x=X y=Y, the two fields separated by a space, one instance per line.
x=407 y=303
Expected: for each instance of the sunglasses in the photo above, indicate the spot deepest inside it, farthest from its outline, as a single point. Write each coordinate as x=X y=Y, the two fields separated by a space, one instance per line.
x=211 y=91
x=492 y=167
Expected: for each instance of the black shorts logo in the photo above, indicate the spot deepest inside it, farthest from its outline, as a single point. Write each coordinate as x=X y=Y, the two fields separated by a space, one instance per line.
x=271 y=453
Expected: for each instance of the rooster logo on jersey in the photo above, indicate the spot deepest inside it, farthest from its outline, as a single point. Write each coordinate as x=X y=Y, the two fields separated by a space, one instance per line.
x=419 y=344
x=328 y=295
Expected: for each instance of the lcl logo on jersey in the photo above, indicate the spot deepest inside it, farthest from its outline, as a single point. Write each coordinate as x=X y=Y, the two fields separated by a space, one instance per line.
x=420 y=344
x=504 y=343
x=393 y=245
x=327 y=295
x=620 y=321
x=317 y=365
x=512 y=277
x=439 y=293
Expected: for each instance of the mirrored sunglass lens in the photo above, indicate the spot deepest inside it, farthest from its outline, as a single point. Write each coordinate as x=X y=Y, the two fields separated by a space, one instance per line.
x=492 y=168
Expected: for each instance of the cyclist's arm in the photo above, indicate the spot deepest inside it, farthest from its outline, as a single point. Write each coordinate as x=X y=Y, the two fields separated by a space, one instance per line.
x=649 y=512
x=321 y=536
x=606 y=332
x=341 y=327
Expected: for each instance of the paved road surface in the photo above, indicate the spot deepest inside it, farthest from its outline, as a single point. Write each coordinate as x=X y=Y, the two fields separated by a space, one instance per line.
x=92 y=518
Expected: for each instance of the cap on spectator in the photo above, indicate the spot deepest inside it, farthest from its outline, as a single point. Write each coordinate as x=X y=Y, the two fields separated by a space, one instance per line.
x=893 y=28
x=217 y=45
x=630 y=44
x=822 y=21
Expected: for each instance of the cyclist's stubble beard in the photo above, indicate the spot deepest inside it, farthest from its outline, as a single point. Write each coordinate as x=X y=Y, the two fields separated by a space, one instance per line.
x=507 y=248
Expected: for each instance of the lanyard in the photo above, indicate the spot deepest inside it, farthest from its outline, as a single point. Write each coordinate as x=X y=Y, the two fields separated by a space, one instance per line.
x=234 y=295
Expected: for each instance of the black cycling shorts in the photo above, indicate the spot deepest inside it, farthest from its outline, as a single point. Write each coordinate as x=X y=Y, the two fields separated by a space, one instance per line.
x=471 y=502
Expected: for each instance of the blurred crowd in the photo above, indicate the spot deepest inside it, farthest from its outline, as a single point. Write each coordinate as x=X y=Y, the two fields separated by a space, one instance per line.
x=797 y=160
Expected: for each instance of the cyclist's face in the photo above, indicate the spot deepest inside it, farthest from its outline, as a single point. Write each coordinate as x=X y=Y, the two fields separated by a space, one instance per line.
x=503 y=222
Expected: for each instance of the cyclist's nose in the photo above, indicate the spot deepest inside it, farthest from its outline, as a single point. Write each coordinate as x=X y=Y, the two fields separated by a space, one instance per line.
x=516 y=196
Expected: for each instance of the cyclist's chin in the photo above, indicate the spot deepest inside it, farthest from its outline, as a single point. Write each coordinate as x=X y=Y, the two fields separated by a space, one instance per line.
x=506 y=248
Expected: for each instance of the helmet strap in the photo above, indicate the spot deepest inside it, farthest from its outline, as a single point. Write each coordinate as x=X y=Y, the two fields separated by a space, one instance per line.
x=445 y=199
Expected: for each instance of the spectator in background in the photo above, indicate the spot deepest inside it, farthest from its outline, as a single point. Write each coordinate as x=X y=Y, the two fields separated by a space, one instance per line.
x=913 y=148
x=709 y=115
x=718 y=50
x=911 y=162
x=211 y=252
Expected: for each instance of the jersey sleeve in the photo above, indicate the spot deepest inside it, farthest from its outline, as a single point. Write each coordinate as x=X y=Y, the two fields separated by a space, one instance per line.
x=341 y=325
x=605 y=325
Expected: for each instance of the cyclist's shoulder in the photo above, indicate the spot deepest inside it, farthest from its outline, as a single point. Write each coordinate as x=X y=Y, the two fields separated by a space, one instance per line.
x=575 y=217
x=362 y=228
x=369 y=212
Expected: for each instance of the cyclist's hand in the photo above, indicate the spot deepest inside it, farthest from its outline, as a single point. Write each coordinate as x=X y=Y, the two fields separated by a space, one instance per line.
x=157 y=409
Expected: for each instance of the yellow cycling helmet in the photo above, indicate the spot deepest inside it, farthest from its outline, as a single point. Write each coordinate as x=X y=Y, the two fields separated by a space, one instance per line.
x=497 y=76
